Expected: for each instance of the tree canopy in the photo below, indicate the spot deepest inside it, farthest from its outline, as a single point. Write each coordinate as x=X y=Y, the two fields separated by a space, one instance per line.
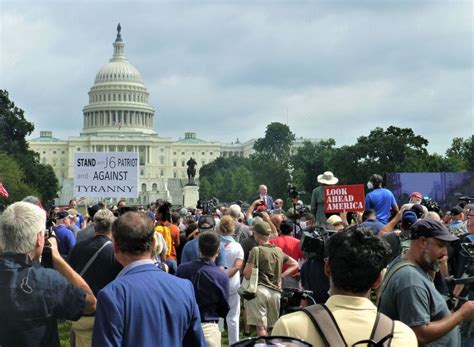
x=382 y=151
x=37 y=178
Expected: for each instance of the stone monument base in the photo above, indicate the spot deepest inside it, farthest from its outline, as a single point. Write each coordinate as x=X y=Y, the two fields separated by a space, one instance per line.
x=190 y=196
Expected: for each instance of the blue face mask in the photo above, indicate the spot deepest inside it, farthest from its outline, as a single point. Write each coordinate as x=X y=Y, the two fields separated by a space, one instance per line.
x=370 y=185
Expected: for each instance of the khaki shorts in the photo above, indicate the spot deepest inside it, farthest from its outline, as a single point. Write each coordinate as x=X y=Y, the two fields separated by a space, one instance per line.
x=212 y=335
x=264 y=309
x=83 y=331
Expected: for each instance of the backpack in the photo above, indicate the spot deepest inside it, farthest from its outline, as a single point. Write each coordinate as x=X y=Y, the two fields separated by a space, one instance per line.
x=166 y=233
x=326 y=325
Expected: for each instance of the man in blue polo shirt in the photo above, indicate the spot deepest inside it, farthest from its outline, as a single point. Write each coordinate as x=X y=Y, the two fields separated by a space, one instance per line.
x=211 y=287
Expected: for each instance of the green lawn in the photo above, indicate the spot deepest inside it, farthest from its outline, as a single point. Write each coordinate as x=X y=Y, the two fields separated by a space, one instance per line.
x=66 y=326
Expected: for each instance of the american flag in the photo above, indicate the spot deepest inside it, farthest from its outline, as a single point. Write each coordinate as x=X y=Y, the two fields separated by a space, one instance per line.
x=3 y=191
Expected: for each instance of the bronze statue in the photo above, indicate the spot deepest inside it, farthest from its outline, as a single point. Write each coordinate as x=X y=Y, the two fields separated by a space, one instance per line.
x=191 y=170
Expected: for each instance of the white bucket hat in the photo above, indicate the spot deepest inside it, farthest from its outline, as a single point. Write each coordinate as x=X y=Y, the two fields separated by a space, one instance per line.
x=327 y=178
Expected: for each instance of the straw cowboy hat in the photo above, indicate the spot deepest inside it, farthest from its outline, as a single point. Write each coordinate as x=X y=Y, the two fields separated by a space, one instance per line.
x=327 y=178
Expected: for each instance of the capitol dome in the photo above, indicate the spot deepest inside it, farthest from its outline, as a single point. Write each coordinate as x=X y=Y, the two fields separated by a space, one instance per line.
x=118 y=100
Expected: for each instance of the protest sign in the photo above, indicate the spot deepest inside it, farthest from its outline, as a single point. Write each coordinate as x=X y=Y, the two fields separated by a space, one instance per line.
x=106 y=175
x=344 y=198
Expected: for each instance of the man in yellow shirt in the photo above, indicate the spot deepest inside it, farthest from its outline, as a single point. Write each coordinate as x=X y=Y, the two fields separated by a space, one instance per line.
x=355 y=262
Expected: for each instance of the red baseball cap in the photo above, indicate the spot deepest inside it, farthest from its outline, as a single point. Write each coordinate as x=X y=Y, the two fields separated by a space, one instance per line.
x=416 y=195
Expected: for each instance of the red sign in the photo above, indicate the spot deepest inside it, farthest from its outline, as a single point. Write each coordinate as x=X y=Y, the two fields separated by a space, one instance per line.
x=344 y=198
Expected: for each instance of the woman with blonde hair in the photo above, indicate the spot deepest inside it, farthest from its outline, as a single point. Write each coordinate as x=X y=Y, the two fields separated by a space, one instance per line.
x=158 y=251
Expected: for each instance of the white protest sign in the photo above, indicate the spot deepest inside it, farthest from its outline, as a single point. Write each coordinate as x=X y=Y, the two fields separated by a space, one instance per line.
x=106 y=175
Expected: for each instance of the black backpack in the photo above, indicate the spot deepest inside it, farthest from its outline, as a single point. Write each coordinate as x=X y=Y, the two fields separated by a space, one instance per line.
x=326 y=325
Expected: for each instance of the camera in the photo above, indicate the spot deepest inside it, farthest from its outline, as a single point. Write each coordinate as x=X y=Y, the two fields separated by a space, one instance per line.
x=207 y=206
x=290 y=300
x=313 y=243
x=430 y=204
x=46 y=255
x=466 y=262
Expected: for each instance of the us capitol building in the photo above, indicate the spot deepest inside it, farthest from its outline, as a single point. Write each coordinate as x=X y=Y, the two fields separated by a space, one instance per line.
x=119 y=118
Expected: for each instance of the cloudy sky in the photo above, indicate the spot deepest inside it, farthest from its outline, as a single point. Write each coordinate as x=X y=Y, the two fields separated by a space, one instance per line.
x=226 y=69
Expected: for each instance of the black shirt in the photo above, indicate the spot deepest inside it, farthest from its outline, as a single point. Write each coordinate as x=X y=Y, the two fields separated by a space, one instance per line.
x=313 y=278
x=105 y=267
x=32 y=298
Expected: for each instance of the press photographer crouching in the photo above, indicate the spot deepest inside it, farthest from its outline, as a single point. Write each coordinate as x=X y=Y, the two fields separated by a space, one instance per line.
x=33 y=297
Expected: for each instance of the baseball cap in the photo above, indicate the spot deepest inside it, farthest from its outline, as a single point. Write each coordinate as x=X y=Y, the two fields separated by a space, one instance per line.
x=72 y=212
x=431 y=228
x=334 y=219
x=409 y=218
x=416 y=195
x=206 y=222
x=418 y=209
x=456 y=211
x=262 y=228
x=62 y=214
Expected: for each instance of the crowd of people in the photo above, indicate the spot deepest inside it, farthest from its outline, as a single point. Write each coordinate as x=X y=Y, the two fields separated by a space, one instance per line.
x=170 y=276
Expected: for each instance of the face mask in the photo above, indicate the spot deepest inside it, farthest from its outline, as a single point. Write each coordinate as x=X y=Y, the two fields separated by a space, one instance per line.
x=370 y=185
x=304 y=225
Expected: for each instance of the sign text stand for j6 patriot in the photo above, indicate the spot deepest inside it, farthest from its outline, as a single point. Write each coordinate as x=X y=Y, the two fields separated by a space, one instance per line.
x=106 y=175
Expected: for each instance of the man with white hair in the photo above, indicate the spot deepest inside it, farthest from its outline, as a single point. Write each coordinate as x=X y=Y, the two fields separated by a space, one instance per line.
x=242 y=231
x=263 y=195
x=33 y=297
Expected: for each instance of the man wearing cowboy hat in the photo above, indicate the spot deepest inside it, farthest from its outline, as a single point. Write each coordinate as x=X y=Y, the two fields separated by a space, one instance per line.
x=317 y=197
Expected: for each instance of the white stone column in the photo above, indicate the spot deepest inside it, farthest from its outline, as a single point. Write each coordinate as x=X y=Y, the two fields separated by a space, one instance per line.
x=190 y=196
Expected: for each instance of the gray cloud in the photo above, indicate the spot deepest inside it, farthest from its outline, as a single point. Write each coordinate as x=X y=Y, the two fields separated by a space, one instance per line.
x=226 y=70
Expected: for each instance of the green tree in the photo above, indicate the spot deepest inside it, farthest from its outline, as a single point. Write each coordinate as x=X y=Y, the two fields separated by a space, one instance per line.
x=13 y=127
x=270 y=162
x=276 y=145
x=12 y=177
x=461 y=154
x=309 y=161
x=382 y=151
x=204 y=188
x=13 y=130
x=228 y=179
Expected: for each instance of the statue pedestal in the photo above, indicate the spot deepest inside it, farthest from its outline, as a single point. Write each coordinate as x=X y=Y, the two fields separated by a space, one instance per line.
x=190 y=196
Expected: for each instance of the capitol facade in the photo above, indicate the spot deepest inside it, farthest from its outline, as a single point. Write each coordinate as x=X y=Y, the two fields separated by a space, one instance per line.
x=119 y=118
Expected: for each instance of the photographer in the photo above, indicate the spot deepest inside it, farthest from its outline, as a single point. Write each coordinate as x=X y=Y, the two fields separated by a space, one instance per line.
x=313 y=277
x=33 y=297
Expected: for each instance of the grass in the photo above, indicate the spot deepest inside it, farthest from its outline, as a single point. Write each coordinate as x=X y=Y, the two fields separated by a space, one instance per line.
x=65 y=327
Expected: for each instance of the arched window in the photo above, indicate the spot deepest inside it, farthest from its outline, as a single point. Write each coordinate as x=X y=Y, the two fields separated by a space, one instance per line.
x=154 y=187
x=143 y=187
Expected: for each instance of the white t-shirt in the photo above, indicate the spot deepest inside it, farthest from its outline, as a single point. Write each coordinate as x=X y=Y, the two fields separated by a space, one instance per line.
x=233 y=251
